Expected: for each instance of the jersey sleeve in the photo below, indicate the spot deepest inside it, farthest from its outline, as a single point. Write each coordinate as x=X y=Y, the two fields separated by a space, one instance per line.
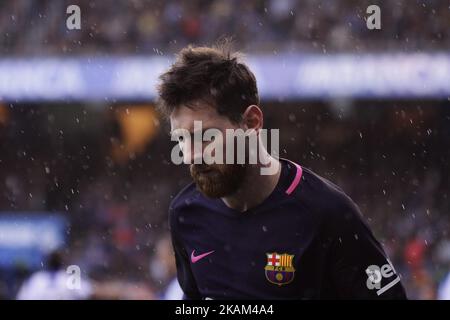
x=184 y=272
x=359 y=267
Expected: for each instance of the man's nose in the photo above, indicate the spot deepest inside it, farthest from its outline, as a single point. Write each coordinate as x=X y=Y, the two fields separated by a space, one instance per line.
x=193 y=154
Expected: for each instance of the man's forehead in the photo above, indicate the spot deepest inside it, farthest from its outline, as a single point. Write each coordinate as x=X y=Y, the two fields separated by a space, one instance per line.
x=184 y=116
x=198 y=108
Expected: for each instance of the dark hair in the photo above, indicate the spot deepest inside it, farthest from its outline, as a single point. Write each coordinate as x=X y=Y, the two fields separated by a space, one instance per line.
x=211 y=74
x=54 y=261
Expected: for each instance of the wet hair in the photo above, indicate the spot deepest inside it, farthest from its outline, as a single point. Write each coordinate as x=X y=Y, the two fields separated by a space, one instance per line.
x=214 y=75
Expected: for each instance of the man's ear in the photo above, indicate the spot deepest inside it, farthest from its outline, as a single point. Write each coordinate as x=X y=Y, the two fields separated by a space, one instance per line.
x=253 y=118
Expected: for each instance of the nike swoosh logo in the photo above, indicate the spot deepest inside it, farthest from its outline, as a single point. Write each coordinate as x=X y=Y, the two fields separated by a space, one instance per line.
x=194 y=258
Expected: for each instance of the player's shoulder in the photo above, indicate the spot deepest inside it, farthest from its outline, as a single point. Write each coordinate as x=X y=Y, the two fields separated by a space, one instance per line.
x=184 y=197
x=315 y=188
x=325 y=197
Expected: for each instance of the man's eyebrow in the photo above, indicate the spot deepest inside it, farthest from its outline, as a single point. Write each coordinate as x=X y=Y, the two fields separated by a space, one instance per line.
x=172 y=132
x=179 y=131
x=208 y=128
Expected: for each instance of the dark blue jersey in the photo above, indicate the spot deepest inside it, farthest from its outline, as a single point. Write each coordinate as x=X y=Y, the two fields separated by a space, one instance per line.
x=307 y=240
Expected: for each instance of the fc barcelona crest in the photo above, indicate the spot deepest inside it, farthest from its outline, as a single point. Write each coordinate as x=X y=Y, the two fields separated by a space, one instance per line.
x=279 y=268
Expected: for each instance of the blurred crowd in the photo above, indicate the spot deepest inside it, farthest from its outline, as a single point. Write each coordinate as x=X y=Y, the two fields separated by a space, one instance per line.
x=65 y=160
x=164 y=26
x=81 y=161
x=392 y=158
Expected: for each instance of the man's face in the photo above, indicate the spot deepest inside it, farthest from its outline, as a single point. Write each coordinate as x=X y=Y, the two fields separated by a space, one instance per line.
x=214 y=180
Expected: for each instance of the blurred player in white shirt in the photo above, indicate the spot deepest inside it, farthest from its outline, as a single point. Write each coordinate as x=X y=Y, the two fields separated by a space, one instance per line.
x=163 y=270
x=54 y=284
x=444 y=289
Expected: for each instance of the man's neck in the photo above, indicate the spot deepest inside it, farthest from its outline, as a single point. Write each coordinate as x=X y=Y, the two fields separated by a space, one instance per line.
x=255 y=188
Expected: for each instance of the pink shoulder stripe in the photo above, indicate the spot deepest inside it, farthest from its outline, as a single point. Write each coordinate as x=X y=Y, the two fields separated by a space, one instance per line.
x=298 y=176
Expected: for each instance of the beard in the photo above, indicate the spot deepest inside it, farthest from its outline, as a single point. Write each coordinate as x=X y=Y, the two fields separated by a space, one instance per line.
x=218 y=180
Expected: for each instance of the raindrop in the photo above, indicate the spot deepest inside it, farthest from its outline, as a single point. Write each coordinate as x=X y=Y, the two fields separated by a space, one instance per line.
x=292 y=117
